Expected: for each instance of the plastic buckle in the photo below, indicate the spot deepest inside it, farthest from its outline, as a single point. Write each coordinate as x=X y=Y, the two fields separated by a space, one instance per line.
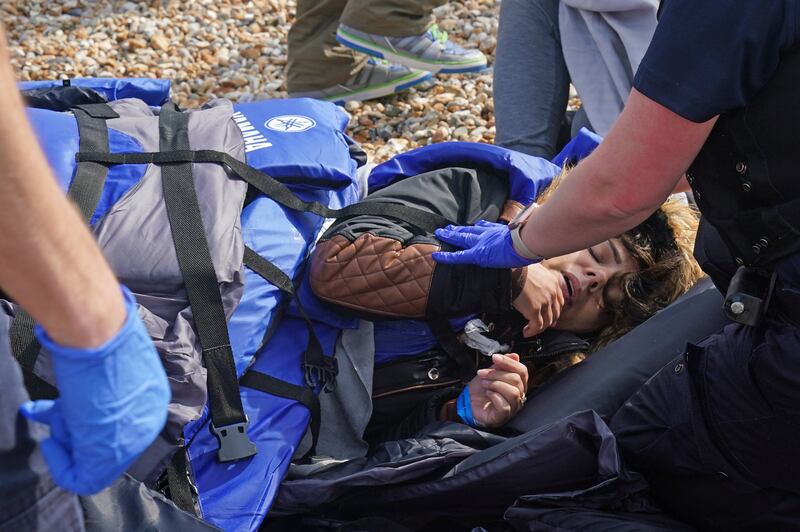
x=234 y=443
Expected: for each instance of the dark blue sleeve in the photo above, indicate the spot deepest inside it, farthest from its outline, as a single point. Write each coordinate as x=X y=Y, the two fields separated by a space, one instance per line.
x=708 y=57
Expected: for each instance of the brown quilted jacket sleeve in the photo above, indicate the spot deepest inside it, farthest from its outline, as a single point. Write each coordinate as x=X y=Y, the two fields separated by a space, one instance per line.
x=374 y=274
x=382 y=267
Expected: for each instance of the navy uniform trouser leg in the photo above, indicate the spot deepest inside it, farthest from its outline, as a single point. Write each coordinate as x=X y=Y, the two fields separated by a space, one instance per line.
x=29 y=500
x=663 y=431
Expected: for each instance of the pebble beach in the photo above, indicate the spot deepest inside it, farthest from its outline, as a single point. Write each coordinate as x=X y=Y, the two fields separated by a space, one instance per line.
x=236 y=49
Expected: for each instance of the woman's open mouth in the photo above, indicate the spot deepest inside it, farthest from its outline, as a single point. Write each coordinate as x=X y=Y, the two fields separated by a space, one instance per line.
x=571 y=287
x=566 y=288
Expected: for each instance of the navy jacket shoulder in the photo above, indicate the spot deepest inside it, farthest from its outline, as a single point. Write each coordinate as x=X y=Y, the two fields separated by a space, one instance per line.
x=708 y=57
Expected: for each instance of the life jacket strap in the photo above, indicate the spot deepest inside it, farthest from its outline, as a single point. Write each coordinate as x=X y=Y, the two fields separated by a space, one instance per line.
x=279 y=388
x=228 y=420
x=85 y=191
x=273 y=188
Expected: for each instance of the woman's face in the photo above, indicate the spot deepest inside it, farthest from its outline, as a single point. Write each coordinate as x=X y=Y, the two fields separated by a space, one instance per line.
x=592 y=284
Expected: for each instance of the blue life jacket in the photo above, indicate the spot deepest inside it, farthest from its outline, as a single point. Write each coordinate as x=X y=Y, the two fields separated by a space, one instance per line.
x=237 y=496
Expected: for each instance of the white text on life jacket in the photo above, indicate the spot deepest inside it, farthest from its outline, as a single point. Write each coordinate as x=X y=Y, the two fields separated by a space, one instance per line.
x=253 y=138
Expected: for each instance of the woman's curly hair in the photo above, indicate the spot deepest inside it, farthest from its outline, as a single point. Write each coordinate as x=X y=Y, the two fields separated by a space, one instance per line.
x=662 y=246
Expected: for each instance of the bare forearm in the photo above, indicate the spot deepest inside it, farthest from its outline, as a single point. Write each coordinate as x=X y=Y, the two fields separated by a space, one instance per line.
x=632 y=172
x=49 y=261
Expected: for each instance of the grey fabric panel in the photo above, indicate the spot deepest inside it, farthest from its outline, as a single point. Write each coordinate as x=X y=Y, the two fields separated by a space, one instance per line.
x=603 y=43
x=135 y=238
x=134 y=234
x=136 y=120
x=346 y=410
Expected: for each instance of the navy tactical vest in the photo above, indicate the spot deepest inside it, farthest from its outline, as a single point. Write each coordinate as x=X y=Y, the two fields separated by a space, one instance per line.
x=745 y=179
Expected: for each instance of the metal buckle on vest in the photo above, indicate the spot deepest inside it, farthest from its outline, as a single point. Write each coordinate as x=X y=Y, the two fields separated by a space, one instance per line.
x=234 y=443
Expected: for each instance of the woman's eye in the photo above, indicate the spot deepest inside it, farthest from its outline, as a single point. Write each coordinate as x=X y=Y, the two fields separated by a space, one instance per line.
x=598 y=257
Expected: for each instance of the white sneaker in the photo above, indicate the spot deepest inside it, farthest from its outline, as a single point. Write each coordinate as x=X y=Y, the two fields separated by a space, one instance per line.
x=376 y=79
x=431 y=51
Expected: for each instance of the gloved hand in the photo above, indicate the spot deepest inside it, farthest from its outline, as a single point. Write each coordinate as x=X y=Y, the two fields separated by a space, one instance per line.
x=112 y=405
x=485 y=244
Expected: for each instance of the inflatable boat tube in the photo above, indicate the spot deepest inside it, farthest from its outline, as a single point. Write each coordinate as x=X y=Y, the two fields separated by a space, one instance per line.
x=153 y=92
x=605 y=380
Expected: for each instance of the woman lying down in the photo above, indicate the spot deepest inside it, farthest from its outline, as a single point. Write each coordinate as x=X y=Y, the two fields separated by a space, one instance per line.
x=432 y=321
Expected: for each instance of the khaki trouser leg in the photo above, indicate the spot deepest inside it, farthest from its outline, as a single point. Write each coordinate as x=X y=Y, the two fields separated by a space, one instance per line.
x=316 y=60
x=393 y=18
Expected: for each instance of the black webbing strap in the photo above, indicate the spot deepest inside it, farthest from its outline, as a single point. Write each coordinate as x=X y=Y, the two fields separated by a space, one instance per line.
x=180 y=487
x=85 y=190
x=464 y=358
x=90 y=176
x=302 y=394
x=26 y=351
x=228 y=421
x=274 y=189
x=23 y=343
x=317 y=367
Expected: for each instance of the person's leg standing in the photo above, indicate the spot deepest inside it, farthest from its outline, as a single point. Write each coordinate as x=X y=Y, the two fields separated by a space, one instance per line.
x=531 y=82
x=393 y=18
x=321 y=67
x=316 y=60
x=404 y=32
x=29 y=500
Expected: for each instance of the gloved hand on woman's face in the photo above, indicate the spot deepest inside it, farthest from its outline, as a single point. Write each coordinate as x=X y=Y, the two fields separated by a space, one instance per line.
x=485 y=244
x=112 y=405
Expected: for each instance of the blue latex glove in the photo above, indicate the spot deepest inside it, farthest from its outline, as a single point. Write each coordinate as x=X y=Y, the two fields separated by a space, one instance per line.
x=112 y=405
x=485 y=244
